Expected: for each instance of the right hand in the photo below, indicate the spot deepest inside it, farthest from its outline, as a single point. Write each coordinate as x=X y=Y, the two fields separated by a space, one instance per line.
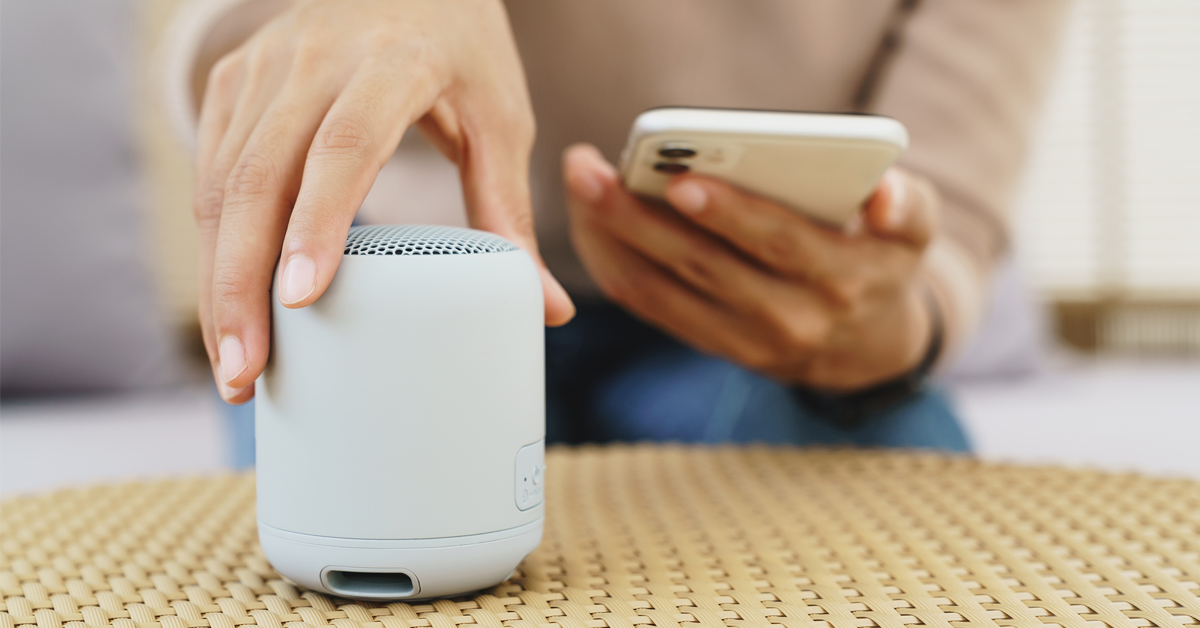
x=295 y=125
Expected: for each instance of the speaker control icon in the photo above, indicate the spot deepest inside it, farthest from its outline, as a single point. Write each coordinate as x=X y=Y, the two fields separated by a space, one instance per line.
x=531 y=475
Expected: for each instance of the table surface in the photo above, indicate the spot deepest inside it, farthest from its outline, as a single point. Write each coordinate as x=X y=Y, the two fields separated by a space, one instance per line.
x=665 y=536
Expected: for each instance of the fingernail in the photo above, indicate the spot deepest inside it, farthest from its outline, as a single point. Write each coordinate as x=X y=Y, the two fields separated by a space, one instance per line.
x=587 y=187
x=228 y=393
x=298 y=280
x=590 y=173
x=689 y=196
x=899 y=192
x=604 y=169
x=233 y=357
x=557 y=289
x=854 y=225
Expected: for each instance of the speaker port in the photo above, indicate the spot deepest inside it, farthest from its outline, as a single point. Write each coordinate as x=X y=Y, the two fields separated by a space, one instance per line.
x=375 y=585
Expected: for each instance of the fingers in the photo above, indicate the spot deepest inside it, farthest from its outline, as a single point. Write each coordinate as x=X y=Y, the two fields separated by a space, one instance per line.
x=689 y=277
x=703 y=261
x=495 y=178
x=220 y=98
x=774 y=235
x=282 y=167
x=260 y=191
x=773 y=310
x=904 y=208
x=360 y=130
x=653 y=295
x=223 y=280
x=776 y=339
x=216 y=112
x=587 y=175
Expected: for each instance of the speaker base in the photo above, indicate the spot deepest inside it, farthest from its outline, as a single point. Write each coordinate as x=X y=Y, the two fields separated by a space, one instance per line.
x=415 y=569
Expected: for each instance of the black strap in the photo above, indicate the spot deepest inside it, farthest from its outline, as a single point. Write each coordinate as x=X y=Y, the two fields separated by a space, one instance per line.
x=849 y=410
x=881 y=61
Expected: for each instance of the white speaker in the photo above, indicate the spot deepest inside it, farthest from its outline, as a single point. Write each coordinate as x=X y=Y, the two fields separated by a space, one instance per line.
x=400 y=422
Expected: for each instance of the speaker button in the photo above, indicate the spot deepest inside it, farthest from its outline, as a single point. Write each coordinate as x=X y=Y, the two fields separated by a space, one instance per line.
x=530 y=478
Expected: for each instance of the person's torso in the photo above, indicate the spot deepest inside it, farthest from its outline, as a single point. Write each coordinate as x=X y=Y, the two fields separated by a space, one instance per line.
x=592 y=66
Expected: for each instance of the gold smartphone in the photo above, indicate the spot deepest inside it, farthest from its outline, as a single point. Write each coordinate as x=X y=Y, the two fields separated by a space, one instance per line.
x=822 y=165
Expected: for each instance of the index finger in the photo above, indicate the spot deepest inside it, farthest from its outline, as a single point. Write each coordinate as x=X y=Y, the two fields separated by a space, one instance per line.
x=495 y=178
x=775 y=236
x=354 y=138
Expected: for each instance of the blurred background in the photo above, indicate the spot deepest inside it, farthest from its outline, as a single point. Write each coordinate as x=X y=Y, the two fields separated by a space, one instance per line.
x=101 y=369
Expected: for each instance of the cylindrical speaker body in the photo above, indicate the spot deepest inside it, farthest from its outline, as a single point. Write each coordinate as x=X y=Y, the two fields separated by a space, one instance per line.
x=400 y=419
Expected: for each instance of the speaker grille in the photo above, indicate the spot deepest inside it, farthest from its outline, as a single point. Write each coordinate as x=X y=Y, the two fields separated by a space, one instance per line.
x=423 y=240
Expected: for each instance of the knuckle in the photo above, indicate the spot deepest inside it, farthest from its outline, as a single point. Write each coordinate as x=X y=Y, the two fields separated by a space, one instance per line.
x=633 y=295
x=382 y=42
x=792 y=335
x=792 y=340
x=229 y=285
x=261 y=61
x=206 y=206
x=848 y=292
x=225 y=73
x=794 y=332
x=311 y=54
x=342 y=136
x=699 y=268
x=307 y=61
x=806 y=333
x=611 y=290
x=239 y=288
x=758 y=357
x=779 y=248
x=521 y=221
x=252 y=176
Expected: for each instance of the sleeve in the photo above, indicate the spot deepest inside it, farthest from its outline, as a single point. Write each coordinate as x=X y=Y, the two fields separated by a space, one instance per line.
x=200 y=33
x=968 y=82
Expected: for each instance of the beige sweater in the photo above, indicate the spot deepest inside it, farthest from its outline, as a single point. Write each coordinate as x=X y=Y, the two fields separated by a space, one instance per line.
x=967 y=81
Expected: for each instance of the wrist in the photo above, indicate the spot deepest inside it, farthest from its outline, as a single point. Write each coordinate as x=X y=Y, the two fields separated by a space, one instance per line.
x=850 y=409
x=928 y=329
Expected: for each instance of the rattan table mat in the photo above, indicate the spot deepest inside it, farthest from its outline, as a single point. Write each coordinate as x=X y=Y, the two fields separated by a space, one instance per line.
x=665 y=536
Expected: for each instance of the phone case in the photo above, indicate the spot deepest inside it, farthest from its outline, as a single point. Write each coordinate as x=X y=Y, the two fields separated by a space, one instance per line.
x=822 y=165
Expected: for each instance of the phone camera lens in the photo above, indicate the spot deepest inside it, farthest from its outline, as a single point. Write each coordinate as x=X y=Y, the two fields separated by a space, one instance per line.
x=676 y=151
x=671 y=167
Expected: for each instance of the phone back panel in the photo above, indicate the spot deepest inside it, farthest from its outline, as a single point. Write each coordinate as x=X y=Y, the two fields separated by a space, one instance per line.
x=822 y=165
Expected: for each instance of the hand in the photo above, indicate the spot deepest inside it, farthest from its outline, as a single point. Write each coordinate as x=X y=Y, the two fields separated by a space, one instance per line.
x=295 y=125
x=741 y=277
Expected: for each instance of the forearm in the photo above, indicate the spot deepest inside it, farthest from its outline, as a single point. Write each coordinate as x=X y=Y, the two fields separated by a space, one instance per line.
x=968 y=84
x=957 y=283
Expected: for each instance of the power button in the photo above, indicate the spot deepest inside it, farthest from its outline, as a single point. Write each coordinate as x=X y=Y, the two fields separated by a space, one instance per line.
x=531 y=475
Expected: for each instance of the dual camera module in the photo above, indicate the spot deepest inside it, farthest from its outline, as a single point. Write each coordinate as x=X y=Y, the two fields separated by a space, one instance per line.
x=674 y=156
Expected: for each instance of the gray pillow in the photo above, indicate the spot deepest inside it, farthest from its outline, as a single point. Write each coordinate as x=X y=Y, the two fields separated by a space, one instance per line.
x=77 y=307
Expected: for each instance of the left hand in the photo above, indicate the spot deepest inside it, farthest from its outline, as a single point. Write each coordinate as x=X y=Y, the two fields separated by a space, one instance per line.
x=744 y=278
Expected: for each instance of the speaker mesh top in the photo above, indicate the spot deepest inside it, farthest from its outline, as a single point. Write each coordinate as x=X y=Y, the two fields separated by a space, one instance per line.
x=422 y=240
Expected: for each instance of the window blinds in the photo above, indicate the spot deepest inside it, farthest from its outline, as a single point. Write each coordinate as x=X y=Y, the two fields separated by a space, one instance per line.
x=1110 y=207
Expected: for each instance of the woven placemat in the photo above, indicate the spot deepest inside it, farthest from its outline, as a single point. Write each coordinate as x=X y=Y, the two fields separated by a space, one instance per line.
x=664 y=536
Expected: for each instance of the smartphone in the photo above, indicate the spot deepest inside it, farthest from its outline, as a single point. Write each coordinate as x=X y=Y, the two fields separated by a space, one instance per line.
x=822 y=165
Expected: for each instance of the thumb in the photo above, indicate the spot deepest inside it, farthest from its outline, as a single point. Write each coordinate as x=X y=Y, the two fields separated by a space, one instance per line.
x=495 y=180
x=904 y=207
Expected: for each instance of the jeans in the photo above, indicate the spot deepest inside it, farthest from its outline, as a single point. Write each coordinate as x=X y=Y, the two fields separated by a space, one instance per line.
x=610 y=377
